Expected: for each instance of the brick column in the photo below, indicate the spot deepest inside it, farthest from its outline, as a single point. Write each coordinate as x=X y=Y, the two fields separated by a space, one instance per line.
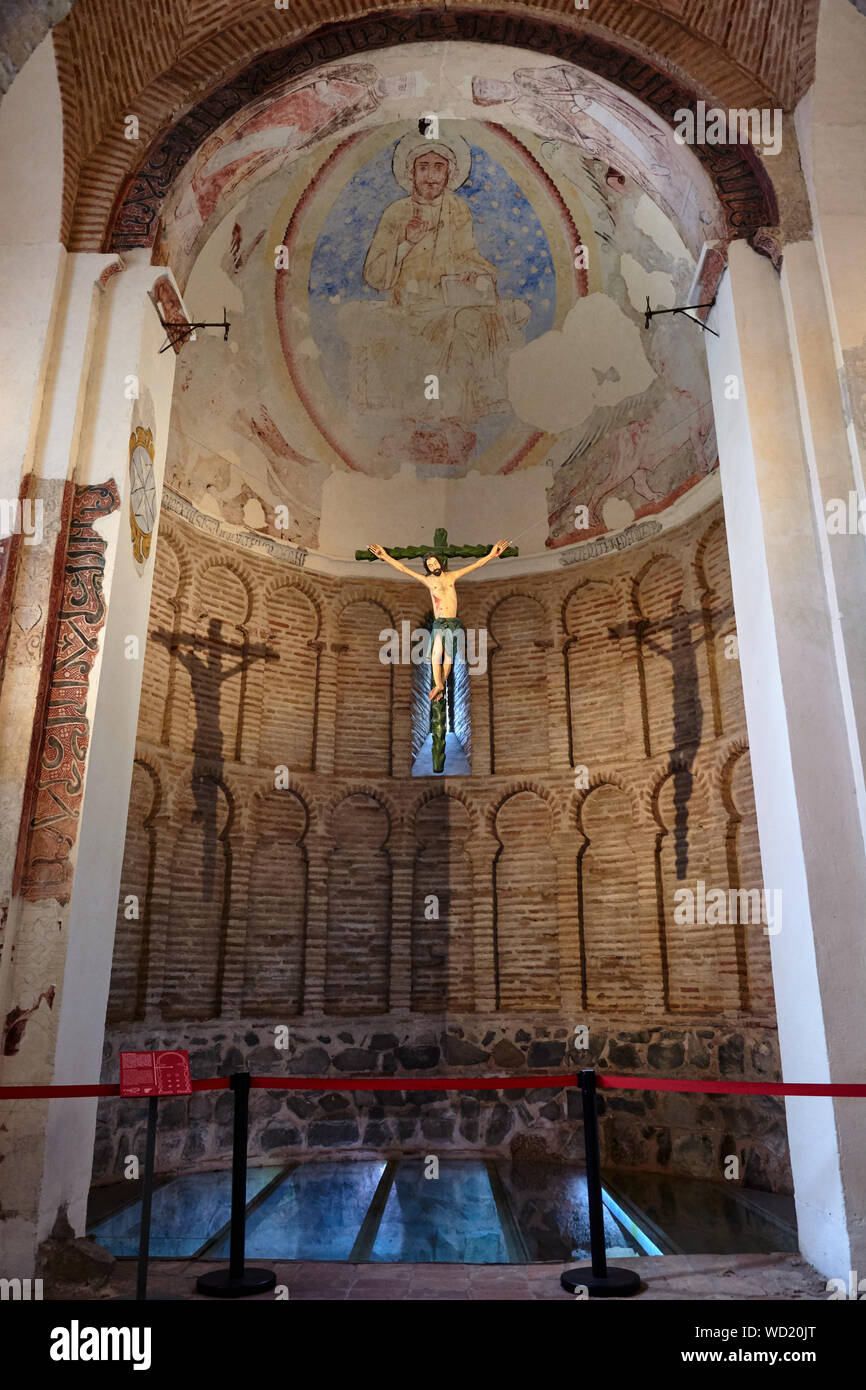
x=554 y=685
x=253 y=692
x=326 y=715
x=645 y=833
x=482 y=851
x=319 y=648
x=242 y=841
x=318 y=849
x=558 y=713
x=181 y=712
x=479 y=708
x=402 y=849
x=401 y=722
x=158 y=909
x=566 y=843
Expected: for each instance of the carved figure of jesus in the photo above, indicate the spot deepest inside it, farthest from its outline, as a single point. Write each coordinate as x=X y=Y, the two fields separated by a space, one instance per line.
x=442 y=588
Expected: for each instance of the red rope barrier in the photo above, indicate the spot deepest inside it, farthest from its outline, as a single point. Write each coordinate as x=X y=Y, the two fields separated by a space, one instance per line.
x=213 y=1083
x=734 y=1088
x=410 y=1083
x=470 y=1083
x=46 y=1092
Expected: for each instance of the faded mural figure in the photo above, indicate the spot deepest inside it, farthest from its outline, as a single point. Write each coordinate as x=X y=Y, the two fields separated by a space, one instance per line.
x=579 y=109
x=443 y=315
x=250 y=146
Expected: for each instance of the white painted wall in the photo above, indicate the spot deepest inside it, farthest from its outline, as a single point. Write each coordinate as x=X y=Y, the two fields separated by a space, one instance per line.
x=31 y=257
x=31 y=153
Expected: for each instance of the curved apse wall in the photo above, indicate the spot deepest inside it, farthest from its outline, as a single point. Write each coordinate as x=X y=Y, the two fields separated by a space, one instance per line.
x=608 y=772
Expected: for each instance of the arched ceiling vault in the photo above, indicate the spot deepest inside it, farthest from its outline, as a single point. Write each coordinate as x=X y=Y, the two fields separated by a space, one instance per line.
x=175 y=63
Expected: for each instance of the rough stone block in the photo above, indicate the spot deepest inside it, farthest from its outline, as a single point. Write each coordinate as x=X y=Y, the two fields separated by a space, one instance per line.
x=332 y=1133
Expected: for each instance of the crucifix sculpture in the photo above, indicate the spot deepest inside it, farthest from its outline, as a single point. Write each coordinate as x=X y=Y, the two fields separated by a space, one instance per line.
x=446 y=624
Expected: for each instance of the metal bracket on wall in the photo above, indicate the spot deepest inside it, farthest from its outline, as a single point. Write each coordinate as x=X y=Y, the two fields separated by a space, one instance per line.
x=183 y=332
x=684 y=309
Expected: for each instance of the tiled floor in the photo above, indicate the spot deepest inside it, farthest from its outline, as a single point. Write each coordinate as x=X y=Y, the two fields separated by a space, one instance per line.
x=781 y=1277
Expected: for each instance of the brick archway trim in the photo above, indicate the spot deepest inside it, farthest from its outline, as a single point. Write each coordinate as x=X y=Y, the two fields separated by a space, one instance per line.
x=132 y=220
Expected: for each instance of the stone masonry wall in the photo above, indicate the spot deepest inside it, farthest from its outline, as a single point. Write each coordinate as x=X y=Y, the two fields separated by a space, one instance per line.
x=662 y=1132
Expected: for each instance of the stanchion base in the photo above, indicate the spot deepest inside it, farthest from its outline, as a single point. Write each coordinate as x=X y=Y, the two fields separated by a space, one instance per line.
x=617 y=1283
x=220 y=1284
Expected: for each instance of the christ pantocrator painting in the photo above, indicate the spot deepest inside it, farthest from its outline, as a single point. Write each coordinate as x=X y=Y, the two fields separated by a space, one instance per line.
x=442 y=315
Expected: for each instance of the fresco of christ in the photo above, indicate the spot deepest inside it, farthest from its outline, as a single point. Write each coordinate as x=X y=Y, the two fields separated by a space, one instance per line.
x=442 y=315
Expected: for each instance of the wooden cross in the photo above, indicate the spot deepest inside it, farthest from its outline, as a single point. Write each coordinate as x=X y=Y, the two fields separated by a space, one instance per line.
x=440 y=548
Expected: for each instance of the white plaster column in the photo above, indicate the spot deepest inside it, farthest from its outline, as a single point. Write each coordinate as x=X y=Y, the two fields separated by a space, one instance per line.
x=45 y=381
x=36 y=297
x=807 y=764
x=64 y=942
x=131 y=340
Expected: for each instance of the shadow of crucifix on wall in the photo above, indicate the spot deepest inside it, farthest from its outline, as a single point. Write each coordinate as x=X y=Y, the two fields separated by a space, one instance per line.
x=204 y=658
x=688 y=711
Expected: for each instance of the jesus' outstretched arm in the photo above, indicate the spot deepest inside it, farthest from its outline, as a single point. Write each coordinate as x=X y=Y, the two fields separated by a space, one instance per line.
x=381 y=554
x=485 y=559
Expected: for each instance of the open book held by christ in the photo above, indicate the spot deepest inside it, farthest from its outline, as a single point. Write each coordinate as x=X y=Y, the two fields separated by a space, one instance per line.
x=458 y=294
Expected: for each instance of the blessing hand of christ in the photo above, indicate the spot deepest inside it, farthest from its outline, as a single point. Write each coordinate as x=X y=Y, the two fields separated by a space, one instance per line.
x=416 y=230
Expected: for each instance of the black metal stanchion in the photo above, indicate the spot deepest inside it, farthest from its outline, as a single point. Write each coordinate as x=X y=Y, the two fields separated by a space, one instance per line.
x=599 y=1280
x=147 y=1198
x=237 y=1281
x=140 y=1295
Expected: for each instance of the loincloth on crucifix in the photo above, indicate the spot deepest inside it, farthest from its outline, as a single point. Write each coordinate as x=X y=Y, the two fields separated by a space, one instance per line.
x=447 y=629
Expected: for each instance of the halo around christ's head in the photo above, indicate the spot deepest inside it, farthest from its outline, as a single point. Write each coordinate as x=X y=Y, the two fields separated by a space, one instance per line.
x=452 y=147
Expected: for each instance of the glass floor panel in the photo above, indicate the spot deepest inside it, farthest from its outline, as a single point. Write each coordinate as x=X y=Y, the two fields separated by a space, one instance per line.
x=709 y=1218
x=186 y=1213
x=475 y=1212
x=315 y=1214
x=551 y=1210
x=452 y=1218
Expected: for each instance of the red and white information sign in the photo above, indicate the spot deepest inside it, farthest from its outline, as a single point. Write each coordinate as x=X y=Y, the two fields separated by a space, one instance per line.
x=155 y=1074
